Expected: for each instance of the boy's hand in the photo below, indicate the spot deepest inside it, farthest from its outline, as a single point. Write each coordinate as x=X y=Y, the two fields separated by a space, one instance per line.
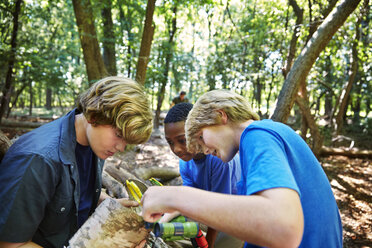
x=127 y=203
x=156 y=201
x=169 y=216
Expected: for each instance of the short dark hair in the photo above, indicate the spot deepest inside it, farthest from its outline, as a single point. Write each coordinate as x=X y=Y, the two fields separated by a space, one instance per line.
x=182 y=93
x=178 y=112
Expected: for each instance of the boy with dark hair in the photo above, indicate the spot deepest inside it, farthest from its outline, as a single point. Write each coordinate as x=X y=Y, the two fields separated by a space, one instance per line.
x=285 y=199
x=201 y=171
x=51 y=177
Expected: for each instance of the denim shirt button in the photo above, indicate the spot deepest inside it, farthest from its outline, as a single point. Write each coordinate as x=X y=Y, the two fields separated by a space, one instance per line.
x=97 y=190
x=62 y=209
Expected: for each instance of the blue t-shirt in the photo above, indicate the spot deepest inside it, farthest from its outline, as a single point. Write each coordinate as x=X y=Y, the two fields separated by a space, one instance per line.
x=272 y=155
x=211 y=174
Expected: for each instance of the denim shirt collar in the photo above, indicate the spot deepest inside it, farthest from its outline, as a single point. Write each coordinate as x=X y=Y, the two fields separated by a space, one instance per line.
x=68 y=138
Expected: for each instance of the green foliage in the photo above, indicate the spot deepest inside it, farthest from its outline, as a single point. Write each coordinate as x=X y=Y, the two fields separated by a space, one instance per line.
x=232 y=44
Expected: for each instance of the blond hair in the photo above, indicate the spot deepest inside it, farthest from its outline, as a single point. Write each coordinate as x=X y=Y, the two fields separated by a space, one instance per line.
x=121 y=103
x=205 y=113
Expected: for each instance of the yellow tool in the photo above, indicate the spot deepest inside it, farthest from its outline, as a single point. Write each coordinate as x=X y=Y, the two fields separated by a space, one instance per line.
x=134 y=190
x=155 y=182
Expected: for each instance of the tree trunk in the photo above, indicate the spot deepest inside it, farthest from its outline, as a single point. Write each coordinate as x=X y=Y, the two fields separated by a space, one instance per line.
x=296 y=32
x=353 y=71
x=12 y=57
x=16 y=95
x=31 y=98
x=108 y=42
x=126 y=24
x=309 y=54
x=88 y=38
x=168 y=58
x=147 y=36
x=317 y=138
x=48 y=104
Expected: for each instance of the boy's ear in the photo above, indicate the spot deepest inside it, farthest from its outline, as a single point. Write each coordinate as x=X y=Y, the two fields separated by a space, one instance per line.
x=224 y=117
x=92 y=122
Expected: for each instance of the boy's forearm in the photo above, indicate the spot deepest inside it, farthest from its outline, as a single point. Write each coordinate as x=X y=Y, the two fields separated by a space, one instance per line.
x=273 y=218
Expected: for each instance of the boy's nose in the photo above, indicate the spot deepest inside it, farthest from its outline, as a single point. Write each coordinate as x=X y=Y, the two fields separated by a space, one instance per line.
x=178 y=149
x=206 y=150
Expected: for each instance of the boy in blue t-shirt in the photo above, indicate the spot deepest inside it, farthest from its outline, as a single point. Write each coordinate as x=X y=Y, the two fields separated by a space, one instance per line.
x=201 y=171
x=285 y=199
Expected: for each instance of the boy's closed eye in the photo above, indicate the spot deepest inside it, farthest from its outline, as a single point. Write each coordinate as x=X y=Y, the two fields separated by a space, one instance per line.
x=119 y=134
x=182 y=141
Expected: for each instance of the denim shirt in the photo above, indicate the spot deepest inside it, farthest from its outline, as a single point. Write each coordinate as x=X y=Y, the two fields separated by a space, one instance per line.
x=39 y=183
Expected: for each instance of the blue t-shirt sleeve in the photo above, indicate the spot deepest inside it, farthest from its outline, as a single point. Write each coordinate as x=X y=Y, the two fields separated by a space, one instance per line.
x=185 y=173
x=264 y=162
x=24 y=196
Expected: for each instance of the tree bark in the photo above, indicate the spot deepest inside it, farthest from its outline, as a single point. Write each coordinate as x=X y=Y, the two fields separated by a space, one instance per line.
x=88 y=38
x=12 y=57
x=108 y=42
x=111 y=225
x=309 y=54
x=147 y=36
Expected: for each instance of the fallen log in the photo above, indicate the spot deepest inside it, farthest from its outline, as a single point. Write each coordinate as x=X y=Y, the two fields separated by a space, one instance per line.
x=118 y=173
x=111 y=226
x=164 y=173
x=20 y=124
x=353 y=153
x=114 y=188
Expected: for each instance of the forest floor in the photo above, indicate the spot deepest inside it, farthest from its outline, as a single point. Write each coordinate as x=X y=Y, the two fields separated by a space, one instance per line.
x=351 y=181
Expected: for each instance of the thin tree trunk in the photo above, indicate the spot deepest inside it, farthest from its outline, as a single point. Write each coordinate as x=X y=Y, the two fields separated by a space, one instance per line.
x=31 y=98
x=108 y=42
x=126 y=24
x=352 y=74
x=12 y=57
x=296 y=32
x=308 y=56
x=147 y=36
x=18 y=92
x=48 y=104
x=168 y=59
x=308 y=119
x=88 y=38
